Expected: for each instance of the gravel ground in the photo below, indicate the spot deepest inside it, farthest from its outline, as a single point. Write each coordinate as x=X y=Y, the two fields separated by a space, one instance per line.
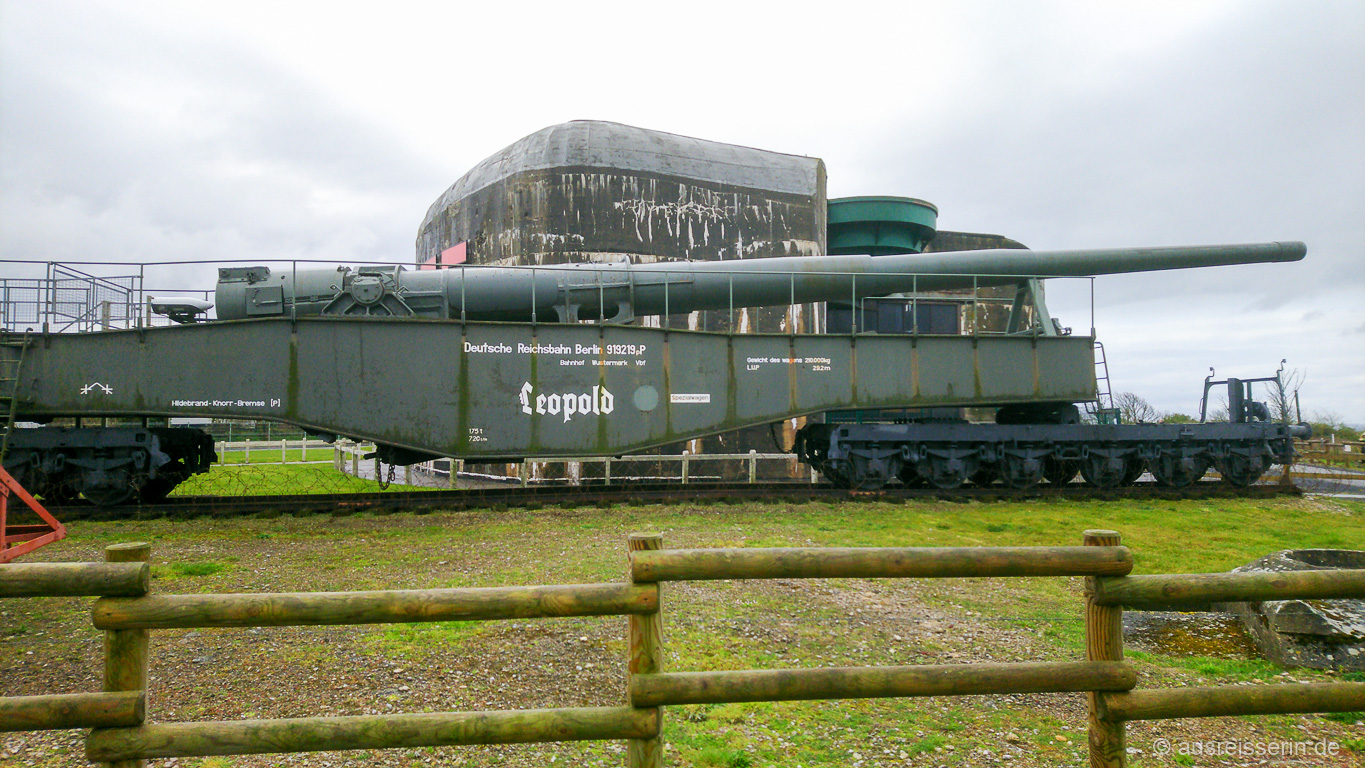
x=48 y=646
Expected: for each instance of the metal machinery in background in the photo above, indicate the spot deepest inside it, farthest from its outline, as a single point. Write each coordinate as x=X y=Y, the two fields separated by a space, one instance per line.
x=494 y=349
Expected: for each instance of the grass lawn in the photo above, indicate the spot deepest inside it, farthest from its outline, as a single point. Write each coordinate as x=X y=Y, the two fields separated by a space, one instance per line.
x=271 y=480
x=48 y=646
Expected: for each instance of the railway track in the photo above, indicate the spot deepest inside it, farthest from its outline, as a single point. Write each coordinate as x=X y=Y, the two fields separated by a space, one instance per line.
x=600 y=495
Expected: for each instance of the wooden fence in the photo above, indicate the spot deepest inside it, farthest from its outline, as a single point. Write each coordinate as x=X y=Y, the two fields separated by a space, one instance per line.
x=122 y=734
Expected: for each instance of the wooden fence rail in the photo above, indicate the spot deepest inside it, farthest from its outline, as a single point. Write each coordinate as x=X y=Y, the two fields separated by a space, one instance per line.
x=380 y=607
x=1223 y=700
x=880 y=562
x=1174 y=590
x=314 y=734
x=122 y=736
x=74 y=579
x=879 y=682
x=72 y=710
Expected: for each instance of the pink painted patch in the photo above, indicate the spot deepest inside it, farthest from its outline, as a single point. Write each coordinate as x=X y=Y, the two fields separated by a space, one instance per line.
x=455 y=254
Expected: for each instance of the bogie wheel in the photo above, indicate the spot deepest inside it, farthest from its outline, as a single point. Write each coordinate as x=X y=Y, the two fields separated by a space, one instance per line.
x=114 y=488
x=1060 y=471
x=60 y=490
x=1103 y=472
x=109 y=496
x=949 y=474
x=1132 y=470
x=866 y=477
x=1169 y=470
x=910 y=476
x=1019 y=472
x=984 y=476
x=1241 y=471
x=835 y=475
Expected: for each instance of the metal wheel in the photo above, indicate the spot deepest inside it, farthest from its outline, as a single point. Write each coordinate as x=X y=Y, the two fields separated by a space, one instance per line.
x=1060 y=471
x=1103 y=471
x=949 y=474
x=62 y=490
x=984 y=476
x=1241 y=471
x=835 y=475
x=1132 y=470
x=1020 y=472
x=109 y=488
x=109 y=496
x=910 y=476
x=872 y=476
x=1174 y=471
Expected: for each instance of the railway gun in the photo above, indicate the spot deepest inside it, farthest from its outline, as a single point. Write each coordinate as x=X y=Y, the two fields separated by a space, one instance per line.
x=508 y=364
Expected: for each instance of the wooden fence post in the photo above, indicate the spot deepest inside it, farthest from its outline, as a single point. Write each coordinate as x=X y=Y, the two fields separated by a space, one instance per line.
x=753 y=466
x=1103 y=642
x=646 y=657
x=125 y=650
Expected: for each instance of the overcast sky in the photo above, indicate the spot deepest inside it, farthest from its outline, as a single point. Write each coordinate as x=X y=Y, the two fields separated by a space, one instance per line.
x=162 y=131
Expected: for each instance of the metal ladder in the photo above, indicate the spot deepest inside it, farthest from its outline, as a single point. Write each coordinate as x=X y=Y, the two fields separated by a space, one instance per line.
x=1102 y=409
x=10 y=370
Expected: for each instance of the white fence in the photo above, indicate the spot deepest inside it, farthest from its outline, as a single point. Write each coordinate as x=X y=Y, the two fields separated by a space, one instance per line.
x=274 y=448
x=349 y=459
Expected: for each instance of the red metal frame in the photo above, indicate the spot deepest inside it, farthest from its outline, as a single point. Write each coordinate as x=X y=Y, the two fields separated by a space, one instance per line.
x=16 y=540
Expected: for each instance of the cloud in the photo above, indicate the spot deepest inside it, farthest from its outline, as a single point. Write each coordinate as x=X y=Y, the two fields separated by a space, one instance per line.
x=1251 y=130
x=1246 y=126
x=156 y=131
x=122 y=143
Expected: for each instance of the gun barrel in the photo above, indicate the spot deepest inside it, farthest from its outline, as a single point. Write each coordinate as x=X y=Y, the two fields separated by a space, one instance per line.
x=1086 y=263
x=621 y=291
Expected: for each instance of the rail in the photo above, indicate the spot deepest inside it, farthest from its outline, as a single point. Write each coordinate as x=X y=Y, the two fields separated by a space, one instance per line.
x=123 y=735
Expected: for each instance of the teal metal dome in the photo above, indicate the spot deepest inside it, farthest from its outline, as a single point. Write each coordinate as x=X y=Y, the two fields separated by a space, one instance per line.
x=880 y=226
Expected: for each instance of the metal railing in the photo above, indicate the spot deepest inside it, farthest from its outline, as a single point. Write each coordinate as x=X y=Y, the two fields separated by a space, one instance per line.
x=66 y=298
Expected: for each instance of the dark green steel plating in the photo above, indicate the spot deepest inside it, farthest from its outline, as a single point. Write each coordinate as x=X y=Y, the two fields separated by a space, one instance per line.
x=505 y=390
